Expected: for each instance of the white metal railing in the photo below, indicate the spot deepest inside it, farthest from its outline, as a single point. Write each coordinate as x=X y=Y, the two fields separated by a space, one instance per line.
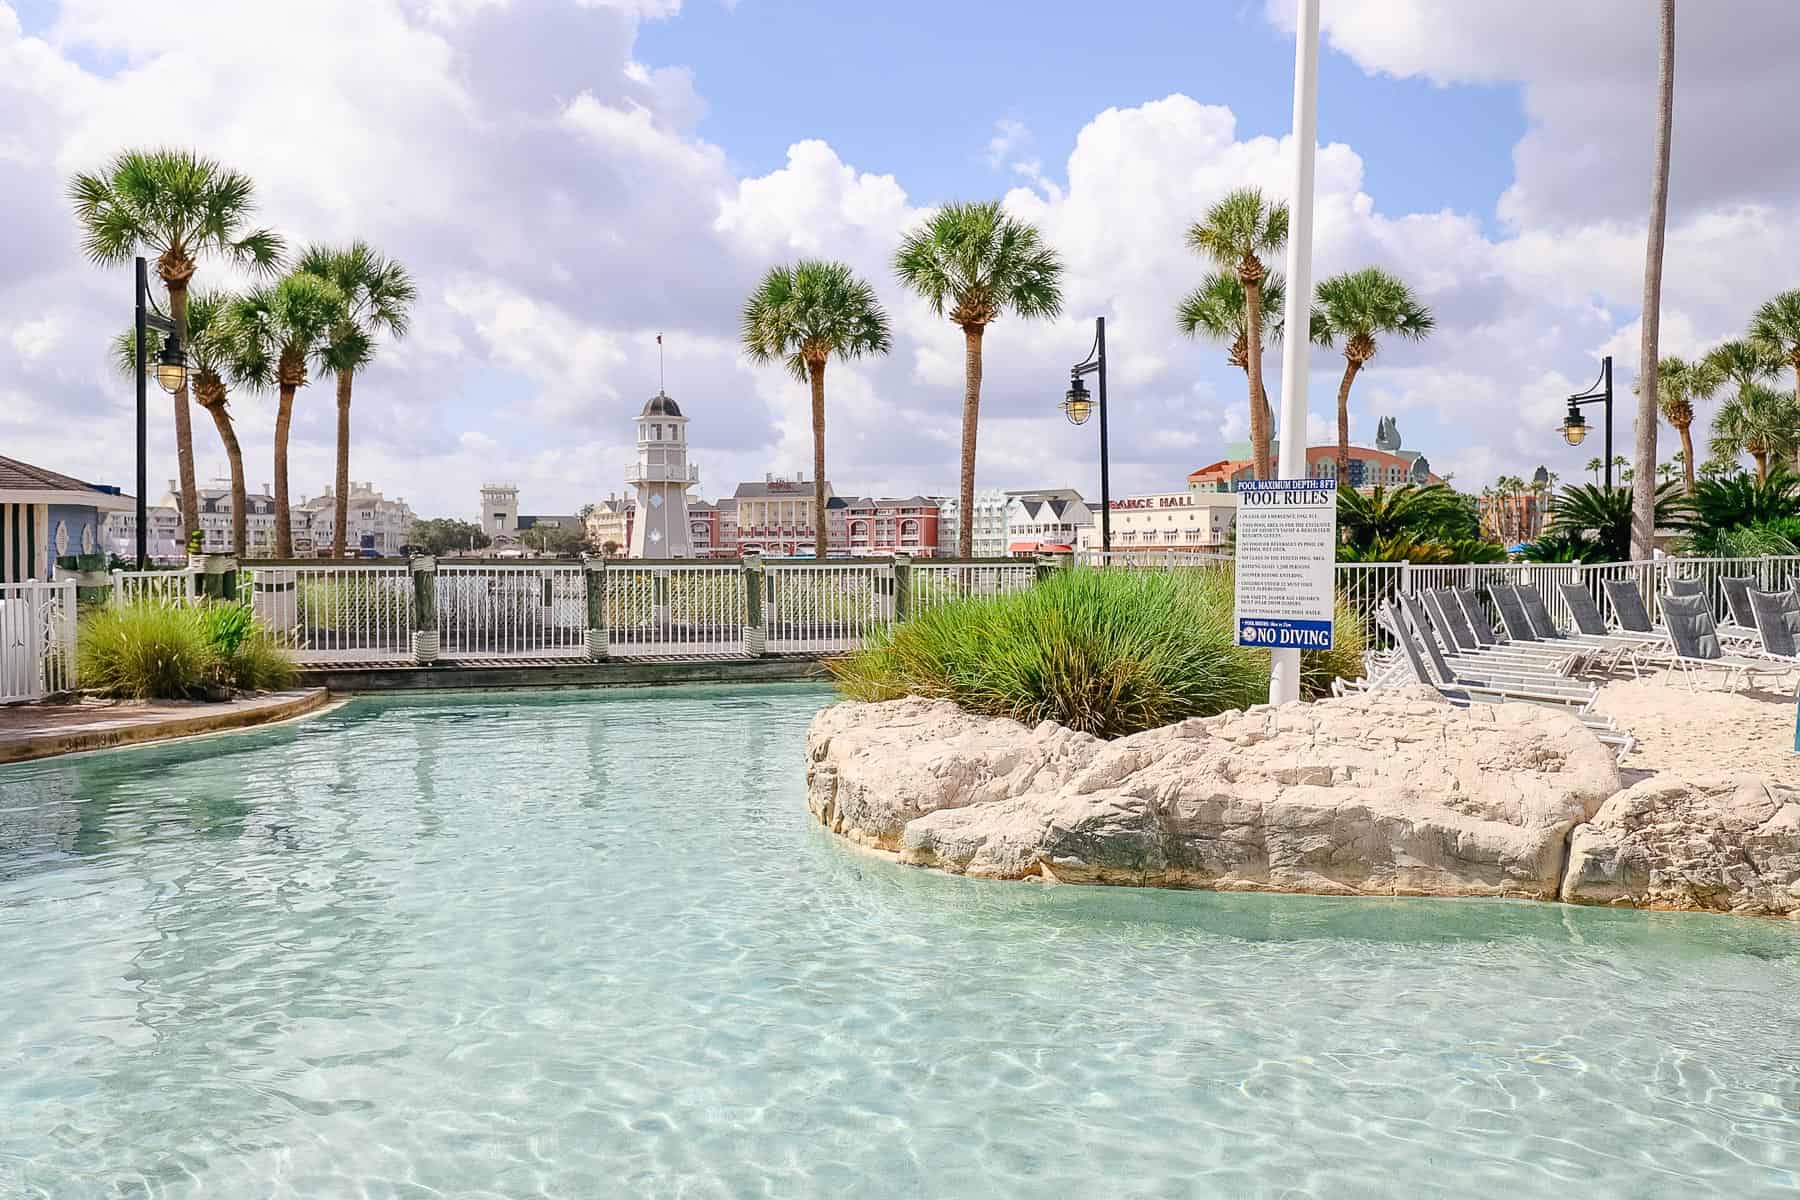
x=159 y=587
x=37 y=640
x=1364 y=587
x=816 y=608
x=1771 y=574
x=674 y=611
x=939 y=583
x=336 y=611
x=509 y=611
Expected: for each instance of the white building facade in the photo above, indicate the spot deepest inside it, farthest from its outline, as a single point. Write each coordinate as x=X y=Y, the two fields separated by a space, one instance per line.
x=1193 y=521
x=1004 y=520
x=377 y=526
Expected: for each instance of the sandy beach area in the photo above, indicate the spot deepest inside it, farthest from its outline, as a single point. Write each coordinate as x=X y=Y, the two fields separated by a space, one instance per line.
x=1706 y=731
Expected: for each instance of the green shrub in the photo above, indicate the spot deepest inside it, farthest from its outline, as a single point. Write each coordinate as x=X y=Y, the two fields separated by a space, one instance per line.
x=144 y=651
x=1107 y=652
x=152 y=651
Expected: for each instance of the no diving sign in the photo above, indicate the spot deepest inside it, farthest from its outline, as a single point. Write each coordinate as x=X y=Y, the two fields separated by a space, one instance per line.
x=1286 y=551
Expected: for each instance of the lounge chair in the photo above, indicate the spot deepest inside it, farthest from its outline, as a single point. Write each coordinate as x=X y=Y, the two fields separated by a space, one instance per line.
x=1523 y=611
x=1737 y=601
x=1778 y=623
x=1628 y=608
x=1684 y=587
x=1459 y=636
x=1695 y=640
x=1511 y=679
x=1414 y=650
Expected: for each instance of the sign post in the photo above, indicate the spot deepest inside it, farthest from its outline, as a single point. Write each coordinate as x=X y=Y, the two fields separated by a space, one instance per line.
x=1286 y=554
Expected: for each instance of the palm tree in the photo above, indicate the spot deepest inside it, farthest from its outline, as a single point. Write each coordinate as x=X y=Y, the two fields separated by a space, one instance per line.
x=1219 y=311
x=1621 y=465
x=1775 y=330
x=1682 y=384
x=801 y=316
x=1643 y=494
x=974 y=264
x=177 y=207
x=1758 y=421
x=1596 y=466
x=208 y=356
x=1235 y=234
x=1357 y=306
x=378 y=295
x=277 y=329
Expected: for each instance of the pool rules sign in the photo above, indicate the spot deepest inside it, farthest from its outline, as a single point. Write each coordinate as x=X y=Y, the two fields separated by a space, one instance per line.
x=1286 y=551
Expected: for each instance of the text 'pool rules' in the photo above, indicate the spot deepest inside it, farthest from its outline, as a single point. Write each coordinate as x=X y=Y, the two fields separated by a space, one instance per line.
x=1286 y=555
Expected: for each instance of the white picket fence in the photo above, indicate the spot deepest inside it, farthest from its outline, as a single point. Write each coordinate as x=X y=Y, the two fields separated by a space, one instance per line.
x=163 y=587
x=37 y=640
x=938 y=584
x=503 y=612
x=675 y=611
x=826 y=608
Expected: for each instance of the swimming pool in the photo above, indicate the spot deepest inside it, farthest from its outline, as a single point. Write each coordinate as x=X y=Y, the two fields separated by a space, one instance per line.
x=591 y=945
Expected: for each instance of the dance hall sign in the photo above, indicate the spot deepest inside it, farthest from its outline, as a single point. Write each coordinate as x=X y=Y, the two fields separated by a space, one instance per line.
x=1286 y=554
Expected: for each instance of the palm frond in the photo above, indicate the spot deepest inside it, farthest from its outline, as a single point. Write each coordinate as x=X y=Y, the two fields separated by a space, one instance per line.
x=1775 y=328
x=975 y=259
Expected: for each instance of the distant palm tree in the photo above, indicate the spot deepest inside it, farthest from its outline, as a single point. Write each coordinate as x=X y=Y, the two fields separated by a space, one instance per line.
x=1667 y=470
x=974 y=264
x=378 y=296
x=1357 y=306
x=1758 y=421
x=277 y=329
x=1775 y=331
x=1682 y=384
x=802 y=316
x=1235 y=234
x=1621 y=465
x=208 y=357
x=1643 y=495
x=1597 y=466
x=176 y=207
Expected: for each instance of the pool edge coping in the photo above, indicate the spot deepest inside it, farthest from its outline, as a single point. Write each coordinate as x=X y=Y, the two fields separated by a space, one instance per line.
x=313 y=701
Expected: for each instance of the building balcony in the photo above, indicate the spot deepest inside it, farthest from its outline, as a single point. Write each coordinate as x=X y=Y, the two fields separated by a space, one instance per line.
x=661 y=473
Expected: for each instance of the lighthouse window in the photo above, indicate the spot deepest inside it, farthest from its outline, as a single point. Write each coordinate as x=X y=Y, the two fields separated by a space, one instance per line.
x=656 y=432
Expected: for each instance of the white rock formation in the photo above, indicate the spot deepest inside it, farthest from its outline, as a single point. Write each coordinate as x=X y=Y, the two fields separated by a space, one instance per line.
x=1391 y=793
x=1723 y=844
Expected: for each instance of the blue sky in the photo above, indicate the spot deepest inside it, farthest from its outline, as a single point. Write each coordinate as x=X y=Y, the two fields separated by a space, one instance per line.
x=567 y=178
x=886 y=86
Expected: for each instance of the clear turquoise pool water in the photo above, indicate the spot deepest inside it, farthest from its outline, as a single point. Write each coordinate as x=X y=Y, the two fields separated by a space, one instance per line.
x=590 y=945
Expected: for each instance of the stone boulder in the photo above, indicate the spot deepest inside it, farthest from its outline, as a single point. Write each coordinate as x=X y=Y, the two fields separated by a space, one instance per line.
x=1725 y=843
x=1390 y=793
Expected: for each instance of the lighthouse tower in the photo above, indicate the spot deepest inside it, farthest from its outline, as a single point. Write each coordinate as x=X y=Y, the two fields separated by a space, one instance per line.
x=662 y=478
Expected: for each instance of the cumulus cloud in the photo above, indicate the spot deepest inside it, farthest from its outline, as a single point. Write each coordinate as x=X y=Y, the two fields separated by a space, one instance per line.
x=553 y=194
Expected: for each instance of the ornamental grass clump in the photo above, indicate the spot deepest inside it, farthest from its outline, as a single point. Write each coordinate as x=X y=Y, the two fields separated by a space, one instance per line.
x=148 y=650
x=1107 y=652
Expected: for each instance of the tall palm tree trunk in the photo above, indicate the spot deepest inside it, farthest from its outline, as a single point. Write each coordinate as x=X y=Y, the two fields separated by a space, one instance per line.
x=1643 y=484
x=1259 y=416
x=816 y=371
x=341 y=514
x=1687 y=456
x=1761 y=459
x=188 y=500
x=1351 y=366
x=965 y=530
x=284 y=529
x=234 y=458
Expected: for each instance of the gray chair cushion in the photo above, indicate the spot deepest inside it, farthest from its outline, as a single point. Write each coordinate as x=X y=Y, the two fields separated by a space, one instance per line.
x=1778 y=620
x=1444 y=607
x=1512 y=613
x=1691 y=628
x=1537 y=612
x=1415 y=612
x=1588 y=618
x=1737 y=598
x=1628 y=605
x=1479 y=620
x=1685 y=587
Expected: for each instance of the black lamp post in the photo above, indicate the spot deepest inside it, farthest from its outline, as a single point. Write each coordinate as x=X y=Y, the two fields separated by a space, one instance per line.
x=171 y=374
x=1575 y=428
x=1077 y=405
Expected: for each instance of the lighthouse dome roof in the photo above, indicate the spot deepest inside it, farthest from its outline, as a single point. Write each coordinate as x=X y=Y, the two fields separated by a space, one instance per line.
x=660 y=405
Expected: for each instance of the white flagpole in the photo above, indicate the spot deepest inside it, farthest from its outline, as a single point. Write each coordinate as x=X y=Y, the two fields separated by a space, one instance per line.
x=1284 y=675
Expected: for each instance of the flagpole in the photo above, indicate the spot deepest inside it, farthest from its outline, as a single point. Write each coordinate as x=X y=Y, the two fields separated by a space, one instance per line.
x=1284 y=666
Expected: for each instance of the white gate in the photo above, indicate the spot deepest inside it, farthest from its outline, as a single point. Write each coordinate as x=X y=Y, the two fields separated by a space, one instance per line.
x=37 y=640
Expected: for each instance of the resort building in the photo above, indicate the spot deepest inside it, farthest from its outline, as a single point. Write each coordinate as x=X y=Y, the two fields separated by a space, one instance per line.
x=662 y=476
x=378 y=527
x=165 y=544
x=1385 y=464
x=1016 y=523
x=46 y=515
x=1198 y=521
x=1513 y=517
x=880 y=526
x=505 y=525
x=608 y=524
x=215 y=522
x=775 y=517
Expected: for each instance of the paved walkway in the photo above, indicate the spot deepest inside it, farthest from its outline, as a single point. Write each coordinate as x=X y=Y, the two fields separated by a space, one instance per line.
x=41 y=730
